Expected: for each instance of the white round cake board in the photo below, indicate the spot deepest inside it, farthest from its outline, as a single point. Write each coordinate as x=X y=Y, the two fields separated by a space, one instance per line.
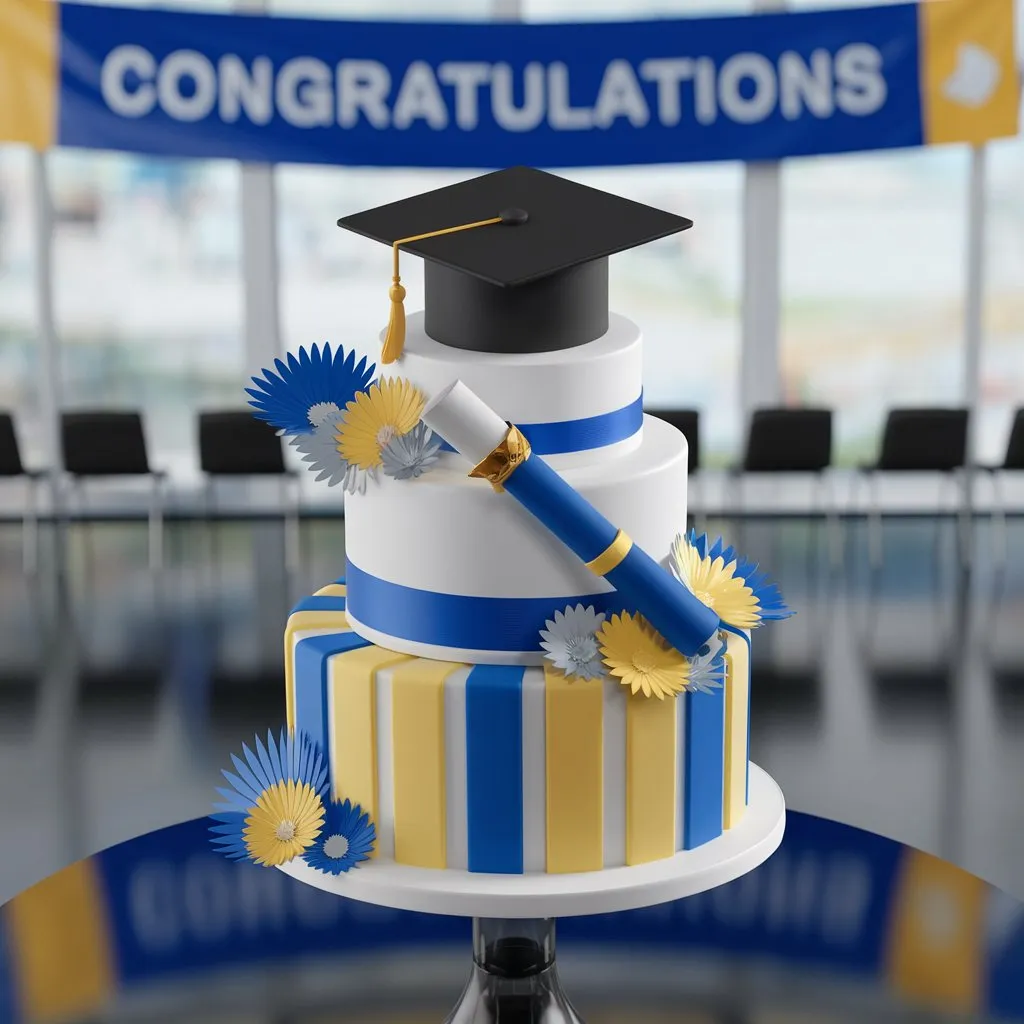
x=466 y=894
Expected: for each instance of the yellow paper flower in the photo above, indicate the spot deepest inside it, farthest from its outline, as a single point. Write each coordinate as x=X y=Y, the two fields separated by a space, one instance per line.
x=716 y=585
x=287 y=819
x=640 y=658
x=375 y=417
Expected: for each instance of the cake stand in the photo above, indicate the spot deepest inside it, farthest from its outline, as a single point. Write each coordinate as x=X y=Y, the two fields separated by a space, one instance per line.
x=513 y=977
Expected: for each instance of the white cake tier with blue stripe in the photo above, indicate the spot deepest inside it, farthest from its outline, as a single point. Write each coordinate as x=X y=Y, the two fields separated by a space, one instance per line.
x=512 y=769
x=581 y=404
x=446 y=567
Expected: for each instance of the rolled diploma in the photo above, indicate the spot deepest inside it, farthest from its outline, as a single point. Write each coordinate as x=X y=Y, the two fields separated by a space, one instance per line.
x=474 y=430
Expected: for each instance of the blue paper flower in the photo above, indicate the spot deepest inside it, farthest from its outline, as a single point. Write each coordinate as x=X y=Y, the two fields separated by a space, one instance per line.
x=410 y=455
x=307 y=390
x=347 y=839
x=319 y=449
x=279 y=761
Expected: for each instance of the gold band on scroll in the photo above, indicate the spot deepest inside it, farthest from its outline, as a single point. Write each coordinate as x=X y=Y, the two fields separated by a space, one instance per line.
x=503 y=461
x=612 y=555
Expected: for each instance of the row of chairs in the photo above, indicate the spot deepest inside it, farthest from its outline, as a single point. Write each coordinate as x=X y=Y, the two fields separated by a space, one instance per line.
x=233 y=443
x=110 y=445
x=800 y=441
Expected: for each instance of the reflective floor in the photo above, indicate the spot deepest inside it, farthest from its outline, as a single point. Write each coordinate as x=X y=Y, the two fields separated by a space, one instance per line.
x=894 y=701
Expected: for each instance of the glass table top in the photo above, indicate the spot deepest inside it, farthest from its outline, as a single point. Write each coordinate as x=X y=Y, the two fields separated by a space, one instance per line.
x=838 y=926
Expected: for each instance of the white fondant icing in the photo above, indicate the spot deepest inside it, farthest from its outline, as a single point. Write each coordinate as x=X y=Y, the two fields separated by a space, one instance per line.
x=614 y=774
x=544 y=387
x=680 y=767
x=467 y=894
x=385 y=766
x=447 y=533
x=455 y=780
x=535 y=853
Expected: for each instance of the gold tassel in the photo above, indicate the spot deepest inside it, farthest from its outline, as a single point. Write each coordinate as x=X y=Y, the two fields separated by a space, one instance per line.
x=394 y=339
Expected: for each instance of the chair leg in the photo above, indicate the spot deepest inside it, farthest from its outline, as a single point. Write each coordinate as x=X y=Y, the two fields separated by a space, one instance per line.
x=156 y=525
x=30 y=530
x=965 y=516
x=1000 y=547
x=874 y=523
x=292 y=538
x=833 y=527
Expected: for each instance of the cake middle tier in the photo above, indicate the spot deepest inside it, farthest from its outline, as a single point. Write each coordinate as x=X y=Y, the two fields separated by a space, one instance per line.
x=445 y=567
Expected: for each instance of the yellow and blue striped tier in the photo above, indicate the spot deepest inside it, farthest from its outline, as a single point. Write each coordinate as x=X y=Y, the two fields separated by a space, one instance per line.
x=512 y=769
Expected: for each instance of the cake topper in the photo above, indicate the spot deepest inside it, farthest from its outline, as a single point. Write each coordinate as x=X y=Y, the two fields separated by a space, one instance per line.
x=533 y=278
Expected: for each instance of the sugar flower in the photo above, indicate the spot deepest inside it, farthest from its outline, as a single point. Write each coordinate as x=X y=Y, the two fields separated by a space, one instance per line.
x=727 y=583
x=373 y=419
x=308 y=389
x=638 y=656
x=273 y=809
x=346 y=840
x=410 y=455
x=570 y=642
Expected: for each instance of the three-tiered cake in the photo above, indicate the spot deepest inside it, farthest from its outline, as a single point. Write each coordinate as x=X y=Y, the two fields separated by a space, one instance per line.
x=490 y=681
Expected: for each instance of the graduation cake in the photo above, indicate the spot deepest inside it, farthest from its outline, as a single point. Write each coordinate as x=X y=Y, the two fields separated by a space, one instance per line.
x=528 y=664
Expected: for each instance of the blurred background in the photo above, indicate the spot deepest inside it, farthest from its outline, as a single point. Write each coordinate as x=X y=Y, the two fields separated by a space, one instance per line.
x=140 y=629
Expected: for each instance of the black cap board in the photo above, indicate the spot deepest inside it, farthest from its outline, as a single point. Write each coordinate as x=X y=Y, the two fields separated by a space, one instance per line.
x=536 y=281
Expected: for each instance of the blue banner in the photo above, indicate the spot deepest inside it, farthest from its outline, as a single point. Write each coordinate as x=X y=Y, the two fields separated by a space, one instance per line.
x=481 y=95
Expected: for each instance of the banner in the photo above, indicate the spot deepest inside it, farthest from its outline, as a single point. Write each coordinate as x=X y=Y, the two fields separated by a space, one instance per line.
x=831 y=899
x=490 y=94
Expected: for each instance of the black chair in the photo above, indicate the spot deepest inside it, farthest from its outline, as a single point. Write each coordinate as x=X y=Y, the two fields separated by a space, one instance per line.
x=101 y=444
x=1013 y=462
x=234 y=444
x=916 y=441
x=12 y=468
x=792 y=441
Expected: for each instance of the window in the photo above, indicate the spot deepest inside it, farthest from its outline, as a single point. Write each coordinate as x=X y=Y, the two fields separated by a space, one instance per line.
x=19 y=351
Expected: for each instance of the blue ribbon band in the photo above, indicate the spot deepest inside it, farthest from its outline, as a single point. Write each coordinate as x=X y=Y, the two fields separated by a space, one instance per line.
x=581 y=435
x=453 y=620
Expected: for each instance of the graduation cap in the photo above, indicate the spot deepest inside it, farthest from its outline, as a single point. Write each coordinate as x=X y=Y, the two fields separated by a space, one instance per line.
x=516 y=260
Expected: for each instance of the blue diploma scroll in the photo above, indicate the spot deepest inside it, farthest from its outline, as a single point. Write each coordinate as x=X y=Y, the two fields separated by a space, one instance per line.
x=502 y=455
x=684 y=621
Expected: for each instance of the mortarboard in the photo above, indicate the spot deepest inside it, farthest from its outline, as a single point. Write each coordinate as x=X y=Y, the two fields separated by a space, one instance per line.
x=516 y=261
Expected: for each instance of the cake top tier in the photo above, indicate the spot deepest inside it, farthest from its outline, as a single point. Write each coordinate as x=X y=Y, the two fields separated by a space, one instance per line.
x=516 y=260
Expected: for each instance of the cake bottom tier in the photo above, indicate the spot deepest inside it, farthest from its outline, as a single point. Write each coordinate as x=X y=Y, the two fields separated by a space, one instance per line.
x=512 y=769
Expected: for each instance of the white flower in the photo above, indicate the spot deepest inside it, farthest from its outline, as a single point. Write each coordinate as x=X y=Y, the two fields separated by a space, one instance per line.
x=320 y=450
x=706 y=670
x=570 y=642
x=408 y=456
x=320 y=413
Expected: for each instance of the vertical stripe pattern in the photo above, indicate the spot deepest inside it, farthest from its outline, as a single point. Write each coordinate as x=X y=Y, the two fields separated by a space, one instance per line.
x=704 y=769
x=494 y=768
x=575 y=773
x=681 y=706
x=614 y=774
x=737 y=707
x=306 y=620
x=535 y=801
x=354 y=726
x=650 y=778
x=457 y=838
x=384 y=821
x=312 y=658
x=417 y=724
